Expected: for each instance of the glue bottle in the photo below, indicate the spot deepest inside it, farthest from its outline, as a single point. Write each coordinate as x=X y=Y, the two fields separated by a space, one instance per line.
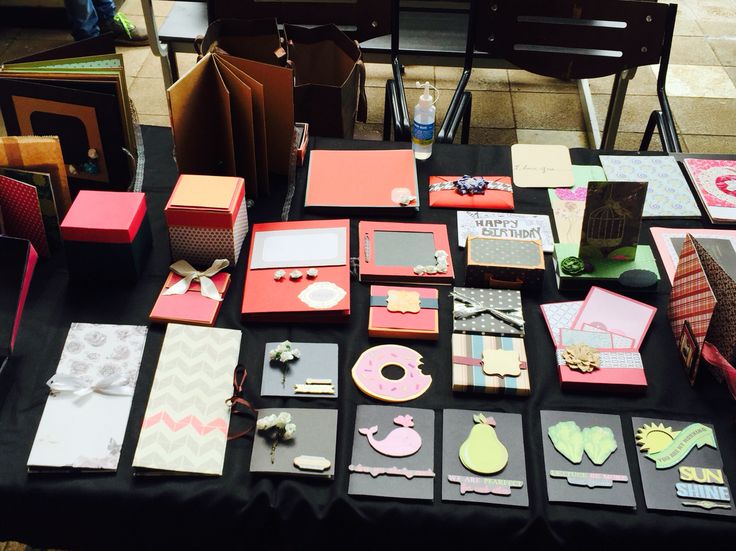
x=422 y=131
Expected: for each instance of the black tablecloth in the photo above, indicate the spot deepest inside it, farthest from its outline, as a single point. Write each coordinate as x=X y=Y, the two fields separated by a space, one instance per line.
x=122 y=510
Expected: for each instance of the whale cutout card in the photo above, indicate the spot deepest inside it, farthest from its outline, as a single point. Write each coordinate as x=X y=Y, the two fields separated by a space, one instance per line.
x=393 y=453
x=311 y=451
x=585 y=459
x=483 y=458
x=681 y=467
x=312 y=375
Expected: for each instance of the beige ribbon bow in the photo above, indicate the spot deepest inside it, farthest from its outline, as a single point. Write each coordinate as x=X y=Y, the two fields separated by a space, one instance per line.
x=187 y=271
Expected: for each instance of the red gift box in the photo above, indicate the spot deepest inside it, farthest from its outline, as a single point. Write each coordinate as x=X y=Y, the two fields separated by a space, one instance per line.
x=498 y=195
x=107 y=235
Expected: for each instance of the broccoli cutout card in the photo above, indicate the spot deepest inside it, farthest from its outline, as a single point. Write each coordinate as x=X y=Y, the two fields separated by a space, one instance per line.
x=585 y=459
x=301 y=369
x=393 y=453
x=681 y=467
x=483 y=458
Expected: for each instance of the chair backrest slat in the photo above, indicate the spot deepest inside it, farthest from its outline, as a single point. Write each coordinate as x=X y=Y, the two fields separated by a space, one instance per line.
x=360 y=19
x=572 y=38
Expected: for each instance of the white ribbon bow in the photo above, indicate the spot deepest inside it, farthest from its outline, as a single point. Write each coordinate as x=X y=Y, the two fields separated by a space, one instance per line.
x=114 y=385
x=187 y=271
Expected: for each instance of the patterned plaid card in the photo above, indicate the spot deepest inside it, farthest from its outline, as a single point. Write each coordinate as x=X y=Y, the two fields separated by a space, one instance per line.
x=475 y=356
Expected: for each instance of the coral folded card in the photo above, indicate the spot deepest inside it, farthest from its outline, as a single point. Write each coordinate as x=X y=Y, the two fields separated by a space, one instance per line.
x=617 y=314
x=187 y=418
x=491 y=365
x=541 y=165
x=393 y=453
x=681 y=467
x=383 y=180
x=585 y=459
x=471 y=192
x=86 y=413
x=295 y=441
x=403 y=312
x=591 y=357
x=487 y=312
x=483 y=458
x=505 y=225
x=190 y=300
x=308 y=371
x=22 y=215
x=720 y=244
x=715 y=182
x=668 y=193
x=701 y=309
x=298 y=271
x=393 y=252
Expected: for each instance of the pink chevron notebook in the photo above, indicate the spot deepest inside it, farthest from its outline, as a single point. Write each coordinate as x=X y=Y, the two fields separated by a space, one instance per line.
x=186 y=422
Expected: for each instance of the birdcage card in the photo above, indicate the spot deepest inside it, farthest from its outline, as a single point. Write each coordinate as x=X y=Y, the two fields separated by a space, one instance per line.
x=612 y=220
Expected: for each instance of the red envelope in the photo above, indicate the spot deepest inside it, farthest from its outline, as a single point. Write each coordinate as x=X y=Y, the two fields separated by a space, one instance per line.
x=191 y=307
x=492 y=199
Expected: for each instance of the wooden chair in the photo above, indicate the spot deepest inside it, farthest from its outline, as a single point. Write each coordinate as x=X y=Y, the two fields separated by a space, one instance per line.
x=578 y=39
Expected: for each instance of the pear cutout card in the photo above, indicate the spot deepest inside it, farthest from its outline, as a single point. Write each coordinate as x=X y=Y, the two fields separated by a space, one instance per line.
x=483 y=458
x=585 y=459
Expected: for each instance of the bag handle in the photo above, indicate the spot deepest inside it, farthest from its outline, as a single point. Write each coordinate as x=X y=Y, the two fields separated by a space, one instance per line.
x=362 y=115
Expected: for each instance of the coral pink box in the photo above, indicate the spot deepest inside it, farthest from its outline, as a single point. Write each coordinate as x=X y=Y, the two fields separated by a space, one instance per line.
x=207 y=219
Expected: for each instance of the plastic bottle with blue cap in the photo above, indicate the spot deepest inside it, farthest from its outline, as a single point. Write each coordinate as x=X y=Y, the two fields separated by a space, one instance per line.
x=422 y=130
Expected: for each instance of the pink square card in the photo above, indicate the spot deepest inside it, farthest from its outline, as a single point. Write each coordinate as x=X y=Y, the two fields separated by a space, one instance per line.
x=615 y=314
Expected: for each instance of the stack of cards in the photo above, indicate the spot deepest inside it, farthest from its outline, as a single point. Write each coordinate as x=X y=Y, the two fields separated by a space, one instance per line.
x=597 y=341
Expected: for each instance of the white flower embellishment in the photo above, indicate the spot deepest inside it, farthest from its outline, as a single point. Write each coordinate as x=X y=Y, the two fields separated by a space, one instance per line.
x=277 y=428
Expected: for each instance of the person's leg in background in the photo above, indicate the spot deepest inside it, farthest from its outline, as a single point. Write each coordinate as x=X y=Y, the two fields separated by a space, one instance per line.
x=89 y=18
x=83 y=18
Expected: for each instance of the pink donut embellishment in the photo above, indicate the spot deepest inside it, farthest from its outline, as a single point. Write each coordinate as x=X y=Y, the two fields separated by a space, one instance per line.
x=368 y=377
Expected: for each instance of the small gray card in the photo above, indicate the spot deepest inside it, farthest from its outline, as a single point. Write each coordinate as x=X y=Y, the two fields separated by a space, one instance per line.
x=461 y=431
x=312 y=446
x=585 y=459
x=405 y=433
x=304 y=377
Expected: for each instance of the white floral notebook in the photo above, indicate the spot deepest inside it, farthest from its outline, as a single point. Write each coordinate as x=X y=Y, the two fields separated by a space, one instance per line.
x=83 y=423
x=187 y=418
